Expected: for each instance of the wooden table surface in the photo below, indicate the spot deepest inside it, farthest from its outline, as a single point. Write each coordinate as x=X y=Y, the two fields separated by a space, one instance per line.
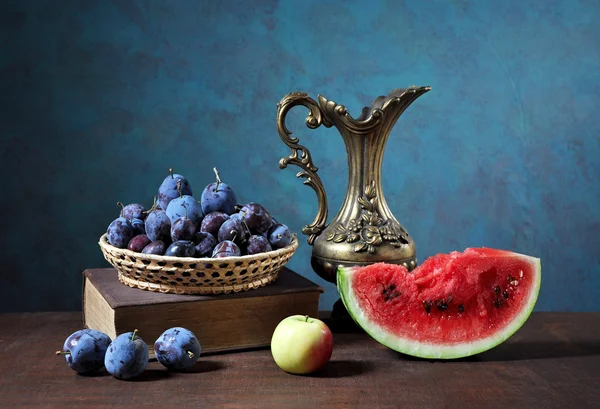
x=552 y=362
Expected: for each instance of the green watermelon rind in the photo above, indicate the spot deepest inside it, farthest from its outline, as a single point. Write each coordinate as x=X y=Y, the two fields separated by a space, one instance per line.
x=432 y=350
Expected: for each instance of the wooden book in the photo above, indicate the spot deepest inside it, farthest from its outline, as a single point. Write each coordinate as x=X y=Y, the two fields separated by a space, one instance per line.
x=220 y=322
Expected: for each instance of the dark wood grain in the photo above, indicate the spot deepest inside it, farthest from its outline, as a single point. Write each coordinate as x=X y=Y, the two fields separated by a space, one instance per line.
x=552 y=362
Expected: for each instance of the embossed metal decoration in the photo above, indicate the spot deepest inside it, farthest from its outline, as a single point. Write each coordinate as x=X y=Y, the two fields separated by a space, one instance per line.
x=364 y=230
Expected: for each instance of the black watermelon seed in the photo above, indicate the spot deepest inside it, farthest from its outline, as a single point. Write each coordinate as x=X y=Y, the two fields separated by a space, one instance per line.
x=505 y=294
x=427 y=305
x=498 y=302
x=441 y=305
x=497 y=290
x=510 y=278
x=461 y=308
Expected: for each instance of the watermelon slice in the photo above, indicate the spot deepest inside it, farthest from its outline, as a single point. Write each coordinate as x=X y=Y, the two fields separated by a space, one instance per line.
x=453 y=305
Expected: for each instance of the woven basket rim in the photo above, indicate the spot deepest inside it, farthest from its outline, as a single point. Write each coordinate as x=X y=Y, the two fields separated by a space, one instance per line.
x=103 y=242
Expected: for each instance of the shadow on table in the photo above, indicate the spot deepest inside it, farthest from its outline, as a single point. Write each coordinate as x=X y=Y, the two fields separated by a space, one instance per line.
x=520 y=351
x=150 y=375
x=205 y=366
x=342 y=369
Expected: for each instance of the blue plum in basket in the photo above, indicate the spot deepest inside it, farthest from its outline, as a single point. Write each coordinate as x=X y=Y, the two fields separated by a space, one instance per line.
x=119 y=232
x=183 y=228
x=226 y=248
x=205 y=243
x=257 y=218
x=158 y=226
x=133 y=211
x=173 y=186
x=218 y=197
x=280 y=236
x=127 y=356
x=177 y=348
x=181 y=248
x=212 y=222
x=138 y=243
x=233 y=230
x=157 y=247
x=257 y=244
x=176 y=209
x=139 y=227
x=84 y=350
x=237 y=216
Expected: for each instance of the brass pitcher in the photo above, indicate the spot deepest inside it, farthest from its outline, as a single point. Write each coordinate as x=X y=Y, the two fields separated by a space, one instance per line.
x=364 y=231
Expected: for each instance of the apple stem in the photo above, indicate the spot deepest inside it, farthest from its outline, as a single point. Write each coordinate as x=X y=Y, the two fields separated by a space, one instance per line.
x=171 y=173
x=306 y=320
x=63 y=353
x=190 y=354
x=133 y=335
x=218 y=179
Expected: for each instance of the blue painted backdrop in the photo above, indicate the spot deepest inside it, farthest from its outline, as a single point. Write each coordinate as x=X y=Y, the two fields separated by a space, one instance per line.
x=100 y=98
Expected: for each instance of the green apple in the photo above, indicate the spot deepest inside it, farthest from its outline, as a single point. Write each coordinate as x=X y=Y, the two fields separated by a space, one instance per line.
x=301 y=344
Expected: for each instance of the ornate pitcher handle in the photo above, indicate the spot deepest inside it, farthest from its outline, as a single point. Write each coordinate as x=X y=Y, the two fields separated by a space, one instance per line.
x=300 y=155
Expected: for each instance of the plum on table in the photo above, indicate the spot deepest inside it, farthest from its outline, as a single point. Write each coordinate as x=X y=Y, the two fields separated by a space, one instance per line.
x=127 y=356
x=177 y=348
x=84 y=350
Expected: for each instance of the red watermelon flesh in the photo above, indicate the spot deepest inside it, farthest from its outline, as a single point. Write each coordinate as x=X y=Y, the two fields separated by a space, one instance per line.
x=452 y=305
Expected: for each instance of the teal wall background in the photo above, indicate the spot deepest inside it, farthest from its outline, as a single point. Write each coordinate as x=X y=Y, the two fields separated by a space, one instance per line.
x=100 y=98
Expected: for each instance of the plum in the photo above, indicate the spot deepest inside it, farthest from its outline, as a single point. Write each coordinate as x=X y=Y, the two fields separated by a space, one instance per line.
x=84 y=350
x=212 y=222
x=193 y=209
x=257 y=244
x=139 y=227
x=205 y=243
x=218 y=197
x=233 y=230
x=119 y=232
x=181 y=248
x=134 y=211
x=226 y=248
x=177 y=348
x=138 y=243
x=169 y=189
x=257 y=218
x=127 y=356
x=279 y=236
x=158 y=225
x=183 y=228
x=157 y=247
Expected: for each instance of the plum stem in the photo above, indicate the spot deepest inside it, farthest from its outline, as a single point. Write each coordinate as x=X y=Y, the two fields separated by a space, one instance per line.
x=122 y=207
x=306 y=320
x=186 y=210
x=218 y=179
x=179 y=187
x=171 y=173
x=133 y=335
x=244 y=222
x=190 y=354
x=63 y=353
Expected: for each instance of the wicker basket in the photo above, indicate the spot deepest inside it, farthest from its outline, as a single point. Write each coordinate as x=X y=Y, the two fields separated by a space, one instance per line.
x=196 y=275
